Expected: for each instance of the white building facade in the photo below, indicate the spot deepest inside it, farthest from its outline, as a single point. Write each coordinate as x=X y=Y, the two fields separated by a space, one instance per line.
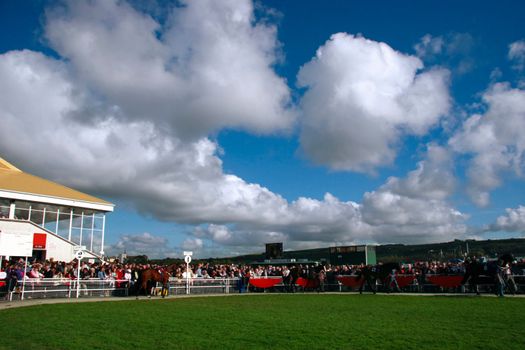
x=55 y=218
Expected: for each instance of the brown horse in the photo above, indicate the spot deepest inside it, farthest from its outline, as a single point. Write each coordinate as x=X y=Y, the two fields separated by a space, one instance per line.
x=149 y=276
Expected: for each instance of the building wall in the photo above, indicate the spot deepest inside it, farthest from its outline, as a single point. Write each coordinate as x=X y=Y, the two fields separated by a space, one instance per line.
x=371 y=255
x=353 y=255
x=57 y=248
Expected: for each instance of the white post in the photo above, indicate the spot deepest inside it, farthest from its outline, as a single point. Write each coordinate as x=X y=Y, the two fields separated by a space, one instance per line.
x=187 y=278
x=81 y=227
x=58 y=216
x=79 y=253
x=70 y=225
x=24 y=280
x=187 y=259
x=12 y=208
x=92 y=229
x=78 y=277
x=103 y=229
x=44 y=217
x=29 y=215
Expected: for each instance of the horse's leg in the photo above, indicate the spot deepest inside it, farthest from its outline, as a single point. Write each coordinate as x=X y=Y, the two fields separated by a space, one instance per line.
x=511 y=284
x=475 y=287
x=366 y=279
x=137 y=289
x=371 y=285
x=143 y=286
x=361 y=286
x=153 y=287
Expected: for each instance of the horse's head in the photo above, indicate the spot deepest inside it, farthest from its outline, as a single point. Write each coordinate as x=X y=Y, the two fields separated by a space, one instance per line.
x=505 y=259
x=364 y=272
x=388 y=267
x=172 y=268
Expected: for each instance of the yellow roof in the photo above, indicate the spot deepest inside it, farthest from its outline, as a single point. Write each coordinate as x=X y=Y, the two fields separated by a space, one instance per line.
x=4 y=165
x=13 y=179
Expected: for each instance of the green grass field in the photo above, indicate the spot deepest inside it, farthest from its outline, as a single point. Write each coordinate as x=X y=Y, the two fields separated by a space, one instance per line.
x=300 y=321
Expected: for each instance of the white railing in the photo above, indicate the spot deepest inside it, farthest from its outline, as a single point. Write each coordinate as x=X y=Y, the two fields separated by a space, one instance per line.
x=37 y=288
x=203 y=286
x=32 y=288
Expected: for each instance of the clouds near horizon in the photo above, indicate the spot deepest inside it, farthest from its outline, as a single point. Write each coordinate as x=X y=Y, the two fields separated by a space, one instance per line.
x=513 y=221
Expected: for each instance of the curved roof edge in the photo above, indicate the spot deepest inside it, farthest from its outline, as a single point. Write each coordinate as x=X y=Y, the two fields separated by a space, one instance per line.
x=4 y=164
x=16 y=184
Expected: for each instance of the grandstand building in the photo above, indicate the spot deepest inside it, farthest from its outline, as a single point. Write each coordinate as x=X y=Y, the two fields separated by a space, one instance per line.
x=45 y=220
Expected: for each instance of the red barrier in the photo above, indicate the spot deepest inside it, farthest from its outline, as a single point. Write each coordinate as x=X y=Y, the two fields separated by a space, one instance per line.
x=352 y=281
x=265 y=282
x=307 y=283
x=349 y=281
x=445 y=281
x=404 y=280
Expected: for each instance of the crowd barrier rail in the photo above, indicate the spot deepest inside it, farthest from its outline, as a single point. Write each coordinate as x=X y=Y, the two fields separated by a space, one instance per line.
x=41 y=288
x=71 y=288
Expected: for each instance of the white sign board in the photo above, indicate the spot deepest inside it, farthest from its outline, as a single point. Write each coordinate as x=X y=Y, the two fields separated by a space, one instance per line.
x=15 y=243
x=79 y=254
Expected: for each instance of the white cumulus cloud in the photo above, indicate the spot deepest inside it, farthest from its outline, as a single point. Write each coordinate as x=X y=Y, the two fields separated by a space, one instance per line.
x=494 y=140
x=415 y=208
x=517 y=54
x=432 y=179
x=362 y=97
x=209 y=66
x=429 y=46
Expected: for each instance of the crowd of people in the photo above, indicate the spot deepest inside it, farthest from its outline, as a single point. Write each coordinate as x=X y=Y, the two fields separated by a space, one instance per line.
x=15 y=271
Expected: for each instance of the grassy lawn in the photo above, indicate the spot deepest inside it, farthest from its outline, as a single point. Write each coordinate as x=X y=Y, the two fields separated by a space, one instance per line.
x=298 y=321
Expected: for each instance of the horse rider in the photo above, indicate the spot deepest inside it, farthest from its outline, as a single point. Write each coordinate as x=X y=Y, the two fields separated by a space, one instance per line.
x=509 y=279
x=393 y=281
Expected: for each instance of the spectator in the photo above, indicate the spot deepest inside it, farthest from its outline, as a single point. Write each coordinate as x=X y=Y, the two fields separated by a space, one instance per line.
x=34 y=272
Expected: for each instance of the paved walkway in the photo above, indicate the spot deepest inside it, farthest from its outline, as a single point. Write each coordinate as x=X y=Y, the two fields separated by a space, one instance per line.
x=32 y=302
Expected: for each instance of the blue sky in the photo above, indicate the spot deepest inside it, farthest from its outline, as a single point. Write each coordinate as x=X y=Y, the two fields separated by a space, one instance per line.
x=217 y=126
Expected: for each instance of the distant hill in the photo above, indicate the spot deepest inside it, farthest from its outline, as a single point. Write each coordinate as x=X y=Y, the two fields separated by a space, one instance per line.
x=448 y=250
x=405 y=253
